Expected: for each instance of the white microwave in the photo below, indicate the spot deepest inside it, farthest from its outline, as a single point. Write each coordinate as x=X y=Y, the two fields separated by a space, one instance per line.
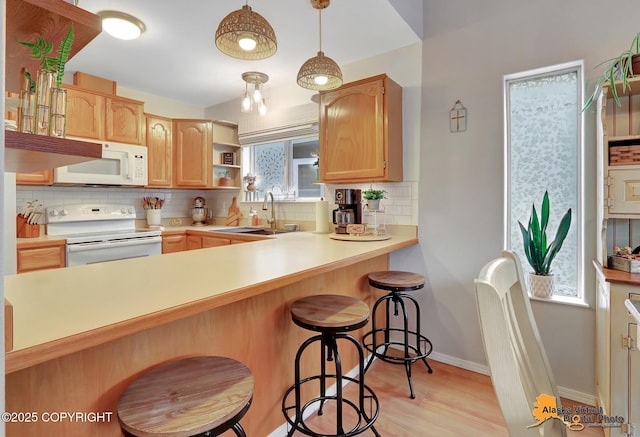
x=121 y=164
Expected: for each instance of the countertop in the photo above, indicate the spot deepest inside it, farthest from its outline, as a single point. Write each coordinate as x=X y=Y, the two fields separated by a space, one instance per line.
x=60 y=311
x=617 y=276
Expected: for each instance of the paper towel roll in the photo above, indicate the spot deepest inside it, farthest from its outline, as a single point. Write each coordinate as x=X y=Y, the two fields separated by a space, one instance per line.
x=322 y=217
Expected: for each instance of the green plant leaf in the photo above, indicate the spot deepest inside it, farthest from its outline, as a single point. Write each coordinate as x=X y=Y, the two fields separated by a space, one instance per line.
x=63 y=55
x=545 y=212
x=39 y=51
x=534 y=238
x=556 y=245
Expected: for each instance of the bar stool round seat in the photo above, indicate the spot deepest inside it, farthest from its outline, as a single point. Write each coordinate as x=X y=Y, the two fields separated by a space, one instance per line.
x=332 y=316
x=414 y=345
x=197 y=396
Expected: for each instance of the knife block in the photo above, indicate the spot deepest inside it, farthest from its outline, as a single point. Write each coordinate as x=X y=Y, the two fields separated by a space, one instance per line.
x=24 y=229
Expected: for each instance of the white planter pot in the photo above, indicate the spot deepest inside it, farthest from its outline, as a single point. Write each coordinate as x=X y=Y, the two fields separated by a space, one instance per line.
x=541 y=286
x=373 y=204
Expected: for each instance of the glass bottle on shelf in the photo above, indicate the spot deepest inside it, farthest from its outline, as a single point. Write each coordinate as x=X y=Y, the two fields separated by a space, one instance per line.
x=44 y=83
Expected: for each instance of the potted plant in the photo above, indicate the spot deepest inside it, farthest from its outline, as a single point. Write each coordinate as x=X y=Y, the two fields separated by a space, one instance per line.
x=373 y=198
x=51 y=100
x=540 y=254
x=225 y=179
x=621 y=67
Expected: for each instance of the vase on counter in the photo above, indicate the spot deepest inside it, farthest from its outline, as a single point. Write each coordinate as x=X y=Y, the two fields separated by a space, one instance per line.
x=44 y=84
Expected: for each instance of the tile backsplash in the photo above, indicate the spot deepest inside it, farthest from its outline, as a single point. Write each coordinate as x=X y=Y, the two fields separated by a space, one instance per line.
x=400 y=207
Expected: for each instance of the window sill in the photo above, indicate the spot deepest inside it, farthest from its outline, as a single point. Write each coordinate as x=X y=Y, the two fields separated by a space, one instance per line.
x=565 y=300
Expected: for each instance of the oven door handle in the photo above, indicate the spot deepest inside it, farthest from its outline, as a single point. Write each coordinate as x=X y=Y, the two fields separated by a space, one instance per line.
x=81 y=247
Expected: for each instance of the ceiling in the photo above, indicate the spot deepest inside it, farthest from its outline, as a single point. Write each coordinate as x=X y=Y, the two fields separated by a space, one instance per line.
x=176 y=57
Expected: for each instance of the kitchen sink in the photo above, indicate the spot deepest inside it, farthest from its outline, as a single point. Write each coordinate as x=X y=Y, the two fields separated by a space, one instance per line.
x=251 y=230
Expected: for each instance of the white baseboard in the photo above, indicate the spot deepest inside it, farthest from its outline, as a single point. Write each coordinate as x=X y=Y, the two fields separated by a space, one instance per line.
x=568 y=393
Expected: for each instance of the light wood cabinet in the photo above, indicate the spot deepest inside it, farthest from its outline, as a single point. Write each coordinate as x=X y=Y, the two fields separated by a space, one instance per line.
x=44 y=177
x=160 y=150
x=85 y=114
x=192 y=153
x=98 y=116
x=124 y=120
x=174 y=243
x=361 y=132
x=205 y=241
x=40 y=255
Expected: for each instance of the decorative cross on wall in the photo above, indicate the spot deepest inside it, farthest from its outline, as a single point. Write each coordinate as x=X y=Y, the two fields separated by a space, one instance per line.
x=458 y=117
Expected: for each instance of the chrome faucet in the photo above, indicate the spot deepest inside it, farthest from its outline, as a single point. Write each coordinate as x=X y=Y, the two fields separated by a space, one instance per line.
x=271 y=221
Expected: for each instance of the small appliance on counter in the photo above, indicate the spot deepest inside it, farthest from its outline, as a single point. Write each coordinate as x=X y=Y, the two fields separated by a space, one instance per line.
x=199 y=213
x=349 y=209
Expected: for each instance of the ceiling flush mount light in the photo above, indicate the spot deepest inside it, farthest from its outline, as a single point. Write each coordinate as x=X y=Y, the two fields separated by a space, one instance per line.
x=245 y=34
x=253 y=98
x=320 y=72
x=121 y=25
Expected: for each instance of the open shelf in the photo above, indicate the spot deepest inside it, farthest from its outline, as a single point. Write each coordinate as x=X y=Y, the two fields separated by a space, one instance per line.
x=631 y=90
x=28 y=153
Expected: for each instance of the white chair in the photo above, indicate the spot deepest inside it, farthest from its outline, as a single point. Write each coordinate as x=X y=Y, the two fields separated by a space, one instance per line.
x=520 y=371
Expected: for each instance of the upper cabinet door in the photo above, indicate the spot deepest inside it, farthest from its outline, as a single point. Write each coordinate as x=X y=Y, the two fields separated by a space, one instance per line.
x=192 y=143
x=361 y=132
x=160 y=151
x=85 y=114
x=124 y=121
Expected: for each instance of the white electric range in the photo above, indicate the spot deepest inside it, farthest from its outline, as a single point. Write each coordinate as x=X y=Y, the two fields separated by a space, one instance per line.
x=101 y=232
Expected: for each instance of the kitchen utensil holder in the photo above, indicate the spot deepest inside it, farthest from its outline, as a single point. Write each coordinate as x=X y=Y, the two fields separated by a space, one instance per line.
x=26 y=230
x=154 y=217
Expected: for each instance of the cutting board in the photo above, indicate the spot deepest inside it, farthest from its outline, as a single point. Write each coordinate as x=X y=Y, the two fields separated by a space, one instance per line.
x=233 y=217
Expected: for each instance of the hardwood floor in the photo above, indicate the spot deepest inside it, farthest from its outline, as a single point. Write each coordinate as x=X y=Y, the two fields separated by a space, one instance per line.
x=449 y=402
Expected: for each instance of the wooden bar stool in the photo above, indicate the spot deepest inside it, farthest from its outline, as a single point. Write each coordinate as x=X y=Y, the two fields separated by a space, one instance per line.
x=414 y=345
x=332 y=316
x=198 y=396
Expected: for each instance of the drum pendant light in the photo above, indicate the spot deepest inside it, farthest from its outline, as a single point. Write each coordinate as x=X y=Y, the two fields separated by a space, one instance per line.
x=245 y=34
x=320 y=72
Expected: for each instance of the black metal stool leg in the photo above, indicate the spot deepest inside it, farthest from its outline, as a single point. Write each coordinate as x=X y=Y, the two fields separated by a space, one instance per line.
x=419 y=332
x=333 y=350
x=323 y=373
x=374 y=329
x=237 y=428
x=407 y=356
x=361 y=385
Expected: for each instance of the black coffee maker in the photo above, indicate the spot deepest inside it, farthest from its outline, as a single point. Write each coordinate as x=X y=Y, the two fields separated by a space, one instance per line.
x=349 y=210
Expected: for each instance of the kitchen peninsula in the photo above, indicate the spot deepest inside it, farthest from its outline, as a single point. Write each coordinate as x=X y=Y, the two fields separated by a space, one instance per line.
x=81 y=334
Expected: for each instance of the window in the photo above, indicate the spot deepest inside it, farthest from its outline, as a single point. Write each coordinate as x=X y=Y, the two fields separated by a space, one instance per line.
x=543 y=152
x=286 y=168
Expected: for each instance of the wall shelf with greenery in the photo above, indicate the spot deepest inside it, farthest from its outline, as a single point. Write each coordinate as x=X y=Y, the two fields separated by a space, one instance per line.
x=51 y=20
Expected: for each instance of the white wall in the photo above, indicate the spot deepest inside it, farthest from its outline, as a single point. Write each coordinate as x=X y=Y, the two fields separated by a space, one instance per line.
x=467 y=49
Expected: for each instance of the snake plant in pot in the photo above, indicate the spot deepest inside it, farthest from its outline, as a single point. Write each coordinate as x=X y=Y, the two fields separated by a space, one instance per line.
x=540 y=254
